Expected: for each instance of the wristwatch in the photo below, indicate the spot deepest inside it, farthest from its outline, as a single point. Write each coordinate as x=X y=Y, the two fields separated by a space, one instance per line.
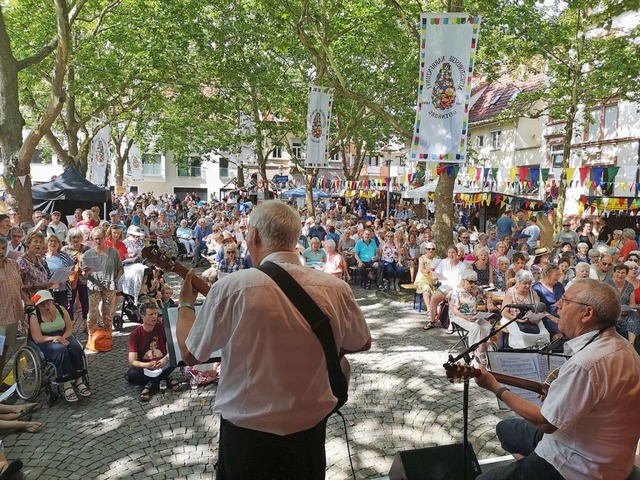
x=186 y=305
x=500 y=391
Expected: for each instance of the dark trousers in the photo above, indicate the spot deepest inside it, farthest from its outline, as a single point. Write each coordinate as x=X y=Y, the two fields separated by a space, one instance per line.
x=246 y=454
x=519 y=436
x=67 y=359
x=82 y=294
x=136 y=375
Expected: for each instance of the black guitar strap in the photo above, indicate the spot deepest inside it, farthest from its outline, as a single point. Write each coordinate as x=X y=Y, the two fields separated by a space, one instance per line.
x=319 y=323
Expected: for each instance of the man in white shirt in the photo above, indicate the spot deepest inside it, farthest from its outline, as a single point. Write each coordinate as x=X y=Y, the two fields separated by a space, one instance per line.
x=588 y=425
x=274 y=394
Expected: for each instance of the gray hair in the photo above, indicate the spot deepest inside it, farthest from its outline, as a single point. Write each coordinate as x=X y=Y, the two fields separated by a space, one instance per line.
x=613 y=251
x=278 y=225
x=582 y=245
x=603 y=298
x=503 y=259
x=631 y=264
x=583 y=266
x=594 y=253
x=523 y=276
x=73 y=233
x=629 y=233
x=330 y=244
x=468 y=274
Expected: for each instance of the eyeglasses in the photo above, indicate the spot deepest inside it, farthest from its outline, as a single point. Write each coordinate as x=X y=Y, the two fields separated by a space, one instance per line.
x=566 y=225
x=605 y=264
x=430 y=249
x=564 y=299
x=472 y=282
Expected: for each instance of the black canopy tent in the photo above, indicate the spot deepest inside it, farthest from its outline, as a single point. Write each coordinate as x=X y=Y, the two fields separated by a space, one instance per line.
x=68 y=192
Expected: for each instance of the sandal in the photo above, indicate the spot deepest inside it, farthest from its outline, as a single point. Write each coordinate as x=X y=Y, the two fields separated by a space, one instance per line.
x=429 y=326
x=177 y=386
x=70 y=394
x=83 y=390
x=449 y=331
x=24 y=416
x=10 y=470
x=145 y=394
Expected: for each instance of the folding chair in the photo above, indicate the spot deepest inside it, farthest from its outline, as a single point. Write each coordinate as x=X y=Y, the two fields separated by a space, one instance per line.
x=463 y=337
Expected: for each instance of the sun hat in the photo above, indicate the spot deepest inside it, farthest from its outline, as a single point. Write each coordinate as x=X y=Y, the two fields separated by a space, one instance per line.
x=541 y=251
x=135 y=230
x=41 y=296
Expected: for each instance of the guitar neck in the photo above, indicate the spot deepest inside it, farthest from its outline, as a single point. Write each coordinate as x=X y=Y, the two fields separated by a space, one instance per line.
x=540 y=388
x=198 y=283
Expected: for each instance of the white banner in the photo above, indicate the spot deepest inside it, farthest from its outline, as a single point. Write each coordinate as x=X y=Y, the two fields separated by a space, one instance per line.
x=100 y=156
x=135 y=163
x=247 y=149
x=318 y=122
x=447 y=53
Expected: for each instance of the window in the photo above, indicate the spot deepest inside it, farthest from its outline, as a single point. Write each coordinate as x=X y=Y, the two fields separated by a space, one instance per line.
x=480 y=141
x=603 y=124
x=495 y=99
x=296 y=148
x=224 y=167
x=190 y=168
x=151 y=164
x=555 y=155
x=277 y=151
x=496 y=139
x=335 y=157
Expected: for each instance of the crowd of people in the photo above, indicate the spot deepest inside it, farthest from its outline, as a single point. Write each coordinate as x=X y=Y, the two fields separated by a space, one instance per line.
x=505 y=263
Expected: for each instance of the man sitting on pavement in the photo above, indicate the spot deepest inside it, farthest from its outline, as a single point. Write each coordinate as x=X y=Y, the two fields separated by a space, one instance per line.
x=588 y=426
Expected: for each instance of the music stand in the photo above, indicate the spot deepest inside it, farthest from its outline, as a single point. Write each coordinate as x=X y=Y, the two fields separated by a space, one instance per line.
x=170 y=322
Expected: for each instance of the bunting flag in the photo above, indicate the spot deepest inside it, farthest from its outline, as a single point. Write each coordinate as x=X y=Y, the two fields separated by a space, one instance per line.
x=135 y=163
x=318 y=122
x=247 y=147
x=100 y=156
x=447 y=54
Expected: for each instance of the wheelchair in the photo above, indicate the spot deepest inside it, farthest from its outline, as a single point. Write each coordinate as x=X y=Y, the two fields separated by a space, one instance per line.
x=33 y=373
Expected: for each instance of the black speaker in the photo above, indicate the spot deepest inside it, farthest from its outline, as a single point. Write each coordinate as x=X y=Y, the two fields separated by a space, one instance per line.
x=444 y=462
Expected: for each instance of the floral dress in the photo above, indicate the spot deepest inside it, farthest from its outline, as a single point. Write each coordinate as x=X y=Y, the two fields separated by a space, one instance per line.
x=167 y=244
x=628 y=321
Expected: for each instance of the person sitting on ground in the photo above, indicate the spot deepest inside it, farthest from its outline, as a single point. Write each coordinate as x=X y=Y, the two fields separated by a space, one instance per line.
x=588 y=426
x=166 y=300
x=463 y=307
x=51 y=329
x=148 y=357
x=524 y=332
x=314 y=253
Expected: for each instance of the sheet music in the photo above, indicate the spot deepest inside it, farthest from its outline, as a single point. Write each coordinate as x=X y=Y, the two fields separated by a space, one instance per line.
x=61 y=275
x=14 y=254
x=529 y=365
x=71 y=220
x=518 y=364
x=93 y=261
x=170 y=321
x=483 y=315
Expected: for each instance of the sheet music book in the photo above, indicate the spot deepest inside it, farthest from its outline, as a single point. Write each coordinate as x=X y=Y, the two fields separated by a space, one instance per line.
x=530 y=365
x=170 y=322
x=14 y=254
x=71 y=220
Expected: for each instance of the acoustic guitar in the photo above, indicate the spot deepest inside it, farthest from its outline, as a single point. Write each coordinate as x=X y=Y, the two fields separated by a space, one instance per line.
x=155 y=255
x=462 y=372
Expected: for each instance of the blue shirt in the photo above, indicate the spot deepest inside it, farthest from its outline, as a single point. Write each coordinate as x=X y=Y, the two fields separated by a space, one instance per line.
x=365 y=252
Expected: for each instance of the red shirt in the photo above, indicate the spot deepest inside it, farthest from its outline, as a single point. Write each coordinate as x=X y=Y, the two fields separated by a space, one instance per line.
x=120 y=247
x=157 y=348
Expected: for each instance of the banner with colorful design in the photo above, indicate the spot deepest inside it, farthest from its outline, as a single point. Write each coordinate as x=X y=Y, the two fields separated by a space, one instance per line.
x=100 y=156
x=135 y=163
x=247 y=128
x=447 y=52
x=318 y=122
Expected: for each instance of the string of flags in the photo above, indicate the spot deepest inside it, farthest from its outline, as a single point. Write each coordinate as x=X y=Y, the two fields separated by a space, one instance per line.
x=11 y=181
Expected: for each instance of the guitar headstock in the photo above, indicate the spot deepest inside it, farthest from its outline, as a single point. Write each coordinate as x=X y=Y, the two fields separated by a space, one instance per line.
x=156 y=256
x=457 y=371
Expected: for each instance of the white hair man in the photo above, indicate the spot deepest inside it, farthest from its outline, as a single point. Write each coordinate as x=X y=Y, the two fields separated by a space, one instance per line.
x=274 y=394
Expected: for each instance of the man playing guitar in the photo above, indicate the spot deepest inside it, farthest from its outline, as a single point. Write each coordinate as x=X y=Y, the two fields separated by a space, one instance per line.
x=274 y=393
x=589 y=424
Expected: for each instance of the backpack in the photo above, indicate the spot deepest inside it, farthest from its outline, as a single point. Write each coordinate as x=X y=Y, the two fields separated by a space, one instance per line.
x=100 y=341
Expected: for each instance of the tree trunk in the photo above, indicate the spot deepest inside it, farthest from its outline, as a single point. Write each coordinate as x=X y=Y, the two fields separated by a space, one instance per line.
x=240 y=180
x=311 y=211
x=443 y=227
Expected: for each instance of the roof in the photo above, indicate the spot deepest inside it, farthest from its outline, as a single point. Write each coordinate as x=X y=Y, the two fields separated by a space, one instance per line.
x=497 y=96
x=70 y=186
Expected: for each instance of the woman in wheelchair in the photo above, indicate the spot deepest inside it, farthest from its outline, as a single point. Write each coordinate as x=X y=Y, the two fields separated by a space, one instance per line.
x=50 y=328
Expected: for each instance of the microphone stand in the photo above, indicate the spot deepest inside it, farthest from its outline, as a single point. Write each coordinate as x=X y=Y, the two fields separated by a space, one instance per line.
x=465 y=396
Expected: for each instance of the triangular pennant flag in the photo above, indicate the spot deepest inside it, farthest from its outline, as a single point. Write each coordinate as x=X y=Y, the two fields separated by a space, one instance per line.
x=12 y=182
x=544 y=172
x=612 y=172
x=535 y=173
x=597 y=176
x=523 y=174
x=584 y=171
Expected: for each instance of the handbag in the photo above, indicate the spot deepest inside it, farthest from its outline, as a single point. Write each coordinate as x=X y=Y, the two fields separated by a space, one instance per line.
x=319 y=323
x=528 y=327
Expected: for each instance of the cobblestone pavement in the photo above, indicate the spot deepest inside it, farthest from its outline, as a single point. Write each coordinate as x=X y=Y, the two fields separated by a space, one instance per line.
x=399 y=400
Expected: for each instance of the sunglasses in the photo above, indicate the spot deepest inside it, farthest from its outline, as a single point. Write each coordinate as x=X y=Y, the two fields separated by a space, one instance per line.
x=605 y=264
x=472 y=282
x=430 y=249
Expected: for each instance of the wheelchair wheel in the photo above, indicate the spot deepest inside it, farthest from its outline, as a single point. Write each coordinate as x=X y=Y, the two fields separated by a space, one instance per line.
x=117 y=322
x=27 y=372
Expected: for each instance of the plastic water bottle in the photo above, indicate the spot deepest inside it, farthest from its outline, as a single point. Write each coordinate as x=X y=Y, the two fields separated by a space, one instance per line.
x=163 y=386
x=194 y=384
